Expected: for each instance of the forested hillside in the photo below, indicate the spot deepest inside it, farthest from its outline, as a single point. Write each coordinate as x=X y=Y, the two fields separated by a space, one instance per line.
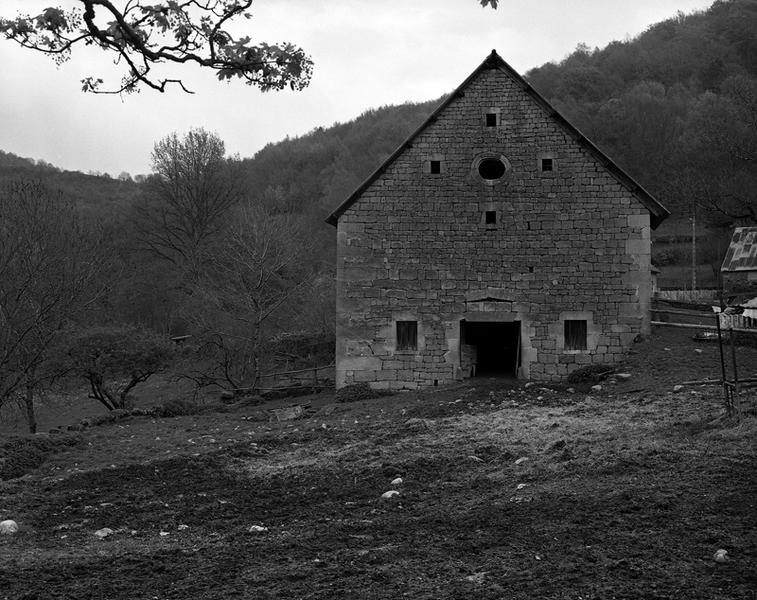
x=676 y=107
x=98 y=194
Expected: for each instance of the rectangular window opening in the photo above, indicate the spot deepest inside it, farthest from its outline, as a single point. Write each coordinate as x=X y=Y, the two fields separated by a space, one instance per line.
x=491 y=119
x=407 y=335
x=491 y=217
x=547 y=164
x=575 y=334
x=436 y=167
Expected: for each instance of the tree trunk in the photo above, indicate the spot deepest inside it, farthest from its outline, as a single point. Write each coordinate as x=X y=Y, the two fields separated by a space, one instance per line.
x=123 y=395
x=98 y=392
x=30 y=416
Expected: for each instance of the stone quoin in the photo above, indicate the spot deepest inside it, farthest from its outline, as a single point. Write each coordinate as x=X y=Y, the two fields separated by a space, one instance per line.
x=496 y=240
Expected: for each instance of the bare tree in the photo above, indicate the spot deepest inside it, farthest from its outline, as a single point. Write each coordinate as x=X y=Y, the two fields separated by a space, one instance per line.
x=188 y=199
x=49 y=265
x=257 y=272
x=113 y=360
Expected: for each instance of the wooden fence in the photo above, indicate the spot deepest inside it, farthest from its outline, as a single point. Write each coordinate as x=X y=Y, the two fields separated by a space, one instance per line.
x=698 y=319
x=311 y=376
x=687 y=295
x=737 y=322
x=724 y=328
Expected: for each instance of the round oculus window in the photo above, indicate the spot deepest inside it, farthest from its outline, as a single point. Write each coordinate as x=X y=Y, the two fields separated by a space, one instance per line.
x=491 y=169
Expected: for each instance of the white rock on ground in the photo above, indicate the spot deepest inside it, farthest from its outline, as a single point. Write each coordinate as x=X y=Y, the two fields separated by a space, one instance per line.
x=104 y=532
x=596 y=388
x=397 y=481
x=721 y=556
x=257 y=529
x=390 y=494
x=521 y=460
x=623 y=376
x=8 y=527
x=477 y=578
x=677 y=388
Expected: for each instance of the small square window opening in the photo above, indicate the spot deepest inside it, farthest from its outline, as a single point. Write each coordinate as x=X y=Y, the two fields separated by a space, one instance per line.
x=575 y=334
x=490 y=218
x=547 y=164
x=491 y=119
x=407 y=335
x=436 y=167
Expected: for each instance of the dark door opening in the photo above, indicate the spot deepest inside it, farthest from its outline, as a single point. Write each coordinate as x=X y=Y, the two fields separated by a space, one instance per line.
x=497 y=347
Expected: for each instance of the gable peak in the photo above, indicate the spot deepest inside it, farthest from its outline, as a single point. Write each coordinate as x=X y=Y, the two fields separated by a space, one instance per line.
x=494 y=60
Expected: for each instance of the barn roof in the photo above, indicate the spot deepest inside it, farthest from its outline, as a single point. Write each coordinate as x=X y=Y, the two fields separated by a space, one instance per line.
x=742 y=252
x=657 y=211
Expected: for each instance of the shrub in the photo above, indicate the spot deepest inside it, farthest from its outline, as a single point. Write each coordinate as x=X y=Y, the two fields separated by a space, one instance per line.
x=179 y=407
x=114 y=359
x=670 y=255
x=356 y=392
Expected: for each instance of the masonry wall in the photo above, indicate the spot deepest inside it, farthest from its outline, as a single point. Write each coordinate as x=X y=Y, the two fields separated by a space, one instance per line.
x=572 y=243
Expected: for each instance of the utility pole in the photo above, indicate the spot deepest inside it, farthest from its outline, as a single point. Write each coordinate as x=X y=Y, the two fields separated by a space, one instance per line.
x=693 y=247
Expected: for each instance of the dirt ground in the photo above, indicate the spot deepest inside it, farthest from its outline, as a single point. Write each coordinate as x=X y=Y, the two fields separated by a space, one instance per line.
x=508 y=490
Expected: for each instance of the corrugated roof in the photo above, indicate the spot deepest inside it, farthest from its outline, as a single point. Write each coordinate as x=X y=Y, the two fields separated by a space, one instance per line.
x=742 y=252
x=658 y=213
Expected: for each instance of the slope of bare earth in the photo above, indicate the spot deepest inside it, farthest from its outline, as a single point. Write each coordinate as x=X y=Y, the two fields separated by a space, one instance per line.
x=507 y=492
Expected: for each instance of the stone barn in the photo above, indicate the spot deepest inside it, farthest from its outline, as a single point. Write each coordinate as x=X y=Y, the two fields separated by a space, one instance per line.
x=496 y=239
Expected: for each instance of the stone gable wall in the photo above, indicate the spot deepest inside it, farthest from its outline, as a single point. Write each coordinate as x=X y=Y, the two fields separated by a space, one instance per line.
x=570 y=243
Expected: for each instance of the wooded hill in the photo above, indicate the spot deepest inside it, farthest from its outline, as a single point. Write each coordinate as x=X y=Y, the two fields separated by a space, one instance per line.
x=97 y=194
x=676 y=107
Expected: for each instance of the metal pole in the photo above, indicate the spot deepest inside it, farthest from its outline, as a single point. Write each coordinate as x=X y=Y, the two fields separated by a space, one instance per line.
x=694 y=248
x=726 y=390
x=735 y=401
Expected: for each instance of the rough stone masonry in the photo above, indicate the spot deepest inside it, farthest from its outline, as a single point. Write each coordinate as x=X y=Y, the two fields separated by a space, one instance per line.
x=496 y=239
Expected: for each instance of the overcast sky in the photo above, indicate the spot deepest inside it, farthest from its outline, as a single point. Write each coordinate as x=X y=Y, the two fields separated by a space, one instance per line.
x=366 y=53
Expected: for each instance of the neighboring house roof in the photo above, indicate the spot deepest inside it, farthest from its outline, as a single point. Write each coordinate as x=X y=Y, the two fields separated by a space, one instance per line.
x=742 y=252
x=657 y=211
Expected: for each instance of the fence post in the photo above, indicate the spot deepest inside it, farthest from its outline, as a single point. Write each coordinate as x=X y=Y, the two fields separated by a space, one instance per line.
x=736 y=402
x=726 y=388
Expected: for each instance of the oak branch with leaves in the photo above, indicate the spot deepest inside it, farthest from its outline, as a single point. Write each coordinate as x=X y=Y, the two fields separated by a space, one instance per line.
x=140 y=36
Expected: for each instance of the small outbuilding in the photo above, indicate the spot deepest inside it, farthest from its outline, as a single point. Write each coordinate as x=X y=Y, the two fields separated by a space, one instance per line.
x=496 y=239
x=739 y=268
